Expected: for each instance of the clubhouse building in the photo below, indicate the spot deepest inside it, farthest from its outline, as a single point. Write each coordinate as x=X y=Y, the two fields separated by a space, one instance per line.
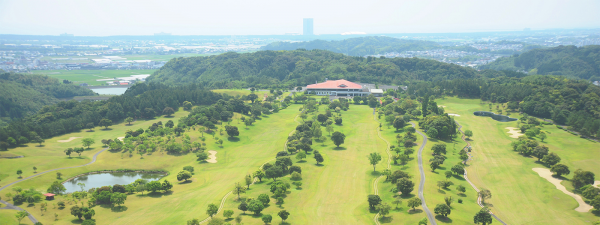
x=342 y=88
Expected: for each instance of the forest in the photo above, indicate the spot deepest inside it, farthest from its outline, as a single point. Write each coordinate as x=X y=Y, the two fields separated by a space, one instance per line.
x=287 y=69
x=579 y=62
x=23 y=95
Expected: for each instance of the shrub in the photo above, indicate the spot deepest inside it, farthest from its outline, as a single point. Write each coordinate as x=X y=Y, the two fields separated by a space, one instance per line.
x=459 y=200
x=296 y=176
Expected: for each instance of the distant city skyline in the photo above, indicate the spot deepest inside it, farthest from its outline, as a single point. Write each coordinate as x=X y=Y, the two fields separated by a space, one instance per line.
x=271 y=17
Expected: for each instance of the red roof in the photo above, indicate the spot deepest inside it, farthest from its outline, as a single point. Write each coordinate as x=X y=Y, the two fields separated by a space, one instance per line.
x=332 y=84
x=49 y=194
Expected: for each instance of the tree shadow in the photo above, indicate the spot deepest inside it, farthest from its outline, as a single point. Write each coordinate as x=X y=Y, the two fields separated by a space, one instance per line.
x=415 y=211
x=462 y=195
x=339 y=148
x=233 y=139
x=407 y=196
x=458 y=177
x=441 y=191
x=376 y=173
x=76 y=221
x=186 y=182
x=443 y=219
x=90 y=131
x=388 y=219
x=319 y=165
x=121 y=208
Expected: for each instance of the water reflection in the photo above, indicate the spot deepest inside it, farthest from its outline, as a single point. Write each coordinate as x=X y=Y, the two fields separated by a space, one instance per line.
x=501 y=118
x=106 y=179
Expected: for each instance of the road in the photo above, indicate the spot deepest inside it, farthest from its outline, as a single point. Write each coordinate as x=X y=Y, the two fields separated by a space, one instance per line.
x=33 y=220
x=422 y=183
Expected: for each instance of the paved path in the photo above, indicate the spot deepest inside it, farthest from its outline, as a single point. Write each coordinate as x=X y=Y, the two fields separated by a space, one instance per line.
x=33 y=220
x=422 y=183
x=467 y=178
x=387 y=150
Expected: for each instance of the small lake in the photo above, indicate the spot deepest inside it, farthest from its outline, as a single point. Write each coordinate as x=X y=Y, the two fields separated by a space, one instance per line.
x=106 y=179
x=110 y=91
x=501 y=118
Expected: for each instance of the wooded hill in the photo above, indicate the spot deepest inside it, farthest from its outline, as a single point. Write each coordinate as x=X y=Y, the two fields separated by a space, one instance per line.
x=582 y=62
x=280 y=69
x=23 y=95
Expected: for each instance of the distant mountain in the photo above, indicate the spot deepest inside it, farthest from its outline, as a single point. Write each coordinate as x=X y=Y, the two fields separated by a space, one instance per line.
x=360 y=46
x=582 y=62
x=301 y=67
x=22 y=95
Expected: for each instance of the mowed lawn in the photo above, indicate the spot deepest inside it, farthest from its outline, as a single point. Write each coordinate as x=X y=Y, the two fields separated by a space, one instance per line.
x=239 y=156
x=7 y=216
x=90 y=76
x=520 y=196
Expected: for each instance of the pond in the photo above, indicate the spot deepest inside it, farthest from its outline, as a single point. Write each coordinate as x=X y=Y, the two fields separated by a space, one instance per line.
x=110 y=91
x=106 y=179
x=501 y=118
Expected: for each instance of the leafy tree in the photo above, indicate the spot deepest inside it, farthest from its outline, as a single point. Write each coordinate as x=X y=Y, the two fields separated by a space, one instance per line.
x=397 y=201
x=19 y=172
x=228 y=213
x=374 y=159
x=458 y=169
x=483 y=217
x=154 y=186
x=283 y=214
x=243 y=206
x=189 y=168
x=187 y=105
x=232 y=131
x=582 y=178
x=551 y=159
x=540 y=151
x=21 y=215
x=461 y=188
x=373 y=200
x=439 y=149
x=403 y=158
x=432 y=132
x=129 y=120
x=56 y=188
x=255 y=206
x=434 y=165
x=423 y=221
x=405 y=186
x=274 y=172
x=69 y=151
x=58 y=175
x=543 y=136
x=259 y=174
x=248 y=180
x=448 y=174
x=193 y=222
x=166 y=186
x=414 y=202
x=35 y=169
x=322 y=118
x=442 y=209
x=105 y=123
x=448 y=200
x=560 y=169
x=168 y=111
x=267 y=218
x=118 y=198
x=590 y=193
x=399 y=123
x=212 y=209
x=184 y=175
x=485 y=194
x=338 y=138
x=264 y=198
x=87 y=142
x=202 y=156
x=318 y=157
x=384 y=209
x=469 y=134
x=78 y=151
x=239 y=189
x=300 y=156
x=329 y=129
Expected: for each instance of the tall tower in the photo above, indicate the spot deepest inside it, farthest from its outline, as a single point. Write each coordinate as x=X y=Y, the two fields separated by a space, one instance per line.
x=308 y=26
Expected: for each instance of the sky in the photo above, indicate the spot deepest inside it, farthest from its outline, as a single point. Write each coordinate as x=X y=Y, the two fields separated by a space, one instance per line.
x=272 y=17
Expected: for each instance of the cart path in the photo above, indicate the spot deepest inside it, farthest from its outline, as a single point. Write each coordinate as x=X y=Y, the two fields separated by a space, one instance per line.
x=422 y=183
x=33 y=220
x=467 y=178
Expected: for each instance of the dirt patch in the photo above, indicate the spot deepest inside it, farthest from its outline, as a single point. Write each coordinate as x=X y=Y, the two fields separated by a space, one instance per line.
x=120 y=138
x=68 y=140
x=443 y=106
x=545 y=173
x=596 y=183
x=212 y=157
x=514 y=132
x=452 y=114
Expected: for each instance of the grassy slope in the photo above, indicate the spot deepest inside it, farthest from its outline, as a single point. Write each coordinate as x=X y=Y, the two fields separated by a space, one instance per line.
x=520 y=196
x=8 y=217
x=188 y=200
x=90 y=76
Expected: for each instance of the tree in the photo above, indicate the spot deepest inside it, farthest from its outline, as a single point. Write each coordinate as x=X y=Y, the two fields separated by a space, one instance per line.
x=58 y=175
x=168 y=111
x=34 y=169
x=184 y=175
x=259 y=174
x=458 y=169
x=189 y=168
x=373 y=200
x=193 y=222
x=267 y=218
x=232 y=131
x=38 y=139
x=274 y=172
x=318 y=157
x=397 y=201
x=414 y=202
x=434 y=165
x=129 y=120
x=582 y=178
x=485 y=194
x=374 y=159
x=19 y=172
x=21 y=215
x=153 y=186
x=322 y=118
x=202 y=156
x=105 y=123
x=119 y=198
x=166 y=186
x=187 y=105
x=423 y=221
x=442 y=209
x=384 y=209
x=448 y=174
x=87 y=142
x=405 y=186
x=461 y=188
x=239 y=189
x=283 y=214
x=560 y=169
x=69 y=151
x=338 y=138
x=212 y=209
x=329 y=129
x=424 y=106
x=439 y=149
x=469 y=134
x=540 y=151
x=543 y=136
x=300 y=156
x=255 y=206
x=448 y=200
x=252 y=97
x=399 y=123
x=403 y=159
x=551 y=159
x=483 y=217
x=432 y=132
x=243 y=206
x=228 y=213
x=56 y=188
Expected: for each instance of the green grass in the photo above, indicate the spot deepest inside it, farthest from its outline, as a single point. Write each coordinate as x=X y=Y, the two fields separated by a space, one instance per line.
x=90 y=76
x=7 y=216
x=520 y=196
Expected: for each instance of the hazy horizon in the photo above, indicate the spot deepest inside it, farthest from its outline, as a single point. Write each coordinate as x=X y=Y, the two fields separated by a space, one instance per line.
x=269 y=17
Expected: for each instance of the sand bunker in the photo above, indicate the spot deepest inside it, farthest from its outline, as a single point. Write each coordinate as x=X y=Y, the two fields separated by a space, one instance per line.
x=596 y=183
x=120 y=138
x=452 y=114
x=443 y=106
x=545 y=173
x=212 y=157
x=68 y=140
x=514 y=132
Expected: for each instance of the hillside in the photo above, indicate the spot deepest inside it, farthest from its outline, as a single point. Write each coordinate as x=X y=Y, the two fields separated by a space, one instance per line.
x=301 y=67
x=582 y=62
x=22 y=95
x=358 y=46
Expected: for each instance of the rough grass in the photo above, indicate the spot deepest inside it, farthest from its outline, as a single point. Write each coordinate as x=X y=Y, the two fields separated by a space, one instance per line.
x=7 y=216
x=520 y=196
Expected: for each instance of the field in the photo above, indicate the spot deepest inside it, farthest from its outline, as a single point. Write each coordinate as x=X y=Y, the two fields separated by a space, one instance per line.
x=90 y=76
x=520 y=196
